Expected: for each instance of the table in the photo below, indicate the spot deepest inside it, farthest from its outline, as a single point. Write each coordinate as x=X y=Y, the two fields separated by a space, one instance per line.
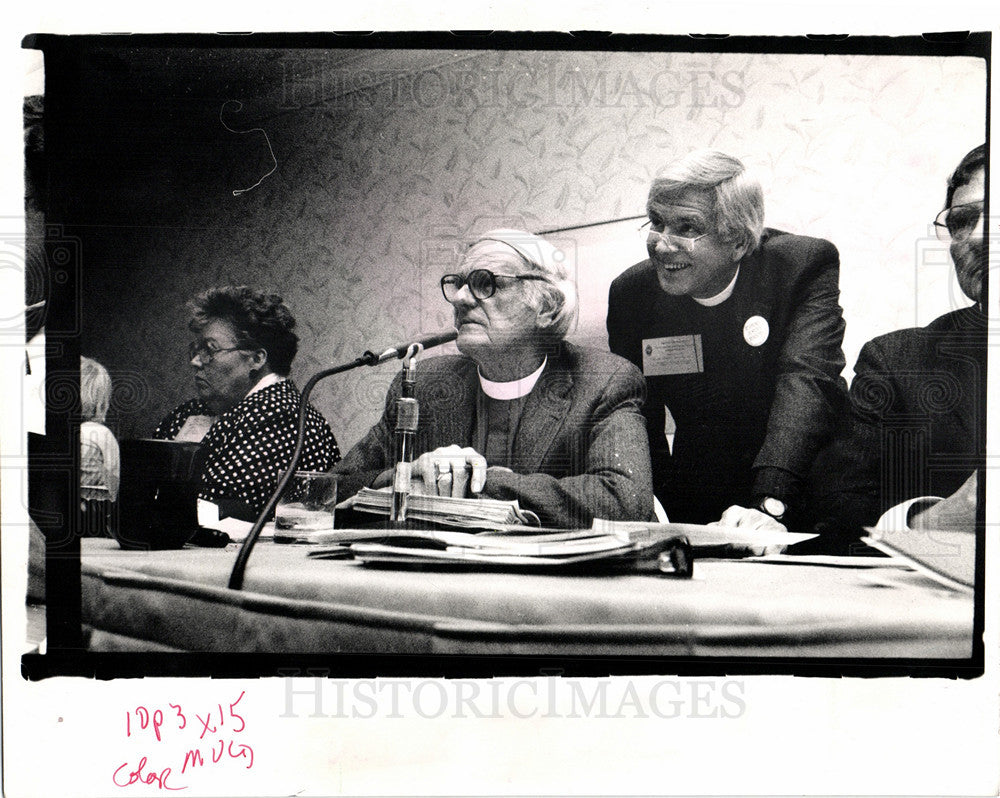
x=775 y=607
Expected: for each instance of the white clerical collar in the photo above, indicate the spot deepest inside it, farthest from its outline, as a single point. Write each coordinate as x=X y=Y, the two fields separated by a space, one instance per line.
x=722 y=296
x=265 y=382
x=514 y=389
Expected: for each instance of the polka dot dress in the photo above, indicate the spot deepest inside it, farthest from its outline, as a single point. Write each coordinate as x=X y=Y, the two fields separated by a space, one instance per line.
x=250 y=446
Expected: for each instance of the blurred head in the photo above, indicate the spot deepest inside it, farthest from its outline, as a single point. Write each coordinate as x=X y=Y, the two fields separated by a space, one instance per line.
x=512 y=289
x=241 y=335
x=712 y=214
x=95 y=390
x=964 y=204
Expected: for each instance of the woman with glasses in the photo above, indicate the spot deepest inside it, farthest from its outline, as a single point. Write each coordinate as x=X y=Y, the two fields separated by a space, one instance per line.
x=247 y=407
x=738 y=331
x=520 y=414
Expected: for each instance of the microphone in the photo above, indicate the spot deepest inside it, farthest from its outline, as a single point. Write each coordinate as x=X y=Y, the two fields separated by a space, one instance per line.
x=407 y=422
x=399 y=351
x=404 y=437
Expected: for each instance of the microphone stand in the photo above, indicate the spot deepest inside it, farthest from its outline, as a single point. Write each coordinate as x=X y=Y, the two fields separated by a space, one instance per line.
x=407 y=418
x=236 y=578
x=367 y=359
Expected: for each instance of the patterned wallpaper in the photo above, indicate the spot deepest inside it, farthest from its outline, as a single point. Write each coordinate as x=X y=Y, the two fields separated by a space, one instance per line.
x=387 y=160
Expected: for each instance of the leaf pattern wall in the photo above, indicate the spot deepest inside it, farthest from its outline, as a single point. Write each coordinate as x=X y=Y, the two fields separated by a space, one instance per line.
x=387 y=160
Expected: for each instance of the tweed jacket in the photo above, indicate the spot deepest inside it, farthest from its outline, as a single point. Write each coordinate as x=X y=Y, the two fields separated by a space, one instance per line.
x=579 y=451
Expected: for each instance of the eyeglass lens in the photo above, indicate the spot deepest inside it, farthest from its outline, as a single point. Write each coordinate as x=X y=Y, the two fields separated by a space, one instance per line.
x=684 y=241
x=962 y=219
x=482 y=284
x=205 y=353
x=200 y=351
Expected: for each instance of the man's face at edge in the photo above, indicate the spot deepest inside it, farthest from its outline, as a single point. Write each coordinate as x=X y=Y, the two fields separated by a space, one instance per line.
x=970 y=254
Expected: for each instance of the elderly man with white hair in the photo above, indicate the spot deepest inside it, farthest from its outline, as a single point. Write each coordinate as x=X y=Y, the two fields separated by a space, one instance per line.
x=520 y=414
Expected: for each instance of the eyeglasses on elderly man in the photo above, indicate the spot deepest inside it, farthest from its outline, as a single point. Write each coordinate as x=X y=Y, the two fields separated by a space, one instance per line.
x=521 y=414
x=482 y=283
x=684 y=238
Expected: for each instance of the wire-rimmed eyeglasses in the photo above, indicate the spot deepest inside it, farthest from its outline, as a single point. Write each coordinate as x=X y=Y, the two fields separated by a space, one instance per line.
x=681 y=242
x=482 y=283
x=206 y=353
x=958 y=221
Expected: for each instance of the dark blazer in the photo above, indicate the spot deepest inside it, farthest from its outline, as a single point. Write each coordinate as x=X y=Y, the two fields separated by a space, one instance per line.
x=579 y=451
x=915 y=425
x=751 y=422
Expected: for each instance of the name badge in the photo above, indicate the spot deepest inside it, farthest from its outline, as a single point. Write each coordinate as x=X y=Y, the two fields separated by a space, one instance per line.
x=673 y=354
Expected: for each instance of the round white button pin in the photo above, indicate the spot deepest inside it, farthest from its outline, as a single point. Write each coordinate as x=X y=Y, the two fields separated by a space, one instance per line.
x=756 y=330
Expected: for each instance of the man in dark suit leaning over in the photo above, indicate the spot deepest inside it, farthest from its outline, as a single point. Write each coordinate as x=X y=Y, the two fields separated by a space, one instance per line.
x=915 y=430
x=738 y=331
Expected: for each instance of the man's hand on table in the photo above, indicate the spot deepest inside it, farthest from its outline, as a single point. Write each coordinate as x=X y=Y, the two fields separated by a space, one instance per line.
x=747 y=518
x=456 y=471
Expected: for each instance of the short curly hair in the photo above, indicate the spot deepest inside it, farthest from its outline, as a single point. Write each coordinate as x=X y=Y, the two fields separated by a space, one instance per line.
x=261 y=321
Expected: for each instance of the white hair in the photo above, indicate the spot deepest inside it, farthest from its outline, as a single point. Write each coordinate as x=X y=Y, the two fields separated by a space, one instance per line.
x=558 y=293
x=95 y=390
x=739 y=199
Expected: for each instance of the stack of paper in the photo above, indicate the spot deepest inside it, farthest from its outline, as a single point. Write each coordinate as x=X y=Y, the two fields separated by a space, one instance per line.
x=707 y=535
x=498 y=549
x=608 y=544
x=474 y=513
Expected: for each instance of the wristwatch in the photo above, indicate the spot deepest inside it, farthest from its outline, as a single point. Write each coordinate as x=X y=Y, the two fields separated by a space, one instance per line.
x=773 y=507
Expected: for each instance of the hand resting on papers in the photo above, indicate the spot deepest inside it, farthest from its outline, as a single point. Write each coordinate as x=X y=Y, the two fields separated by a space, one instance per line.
x=456 y=471
x=753 y=519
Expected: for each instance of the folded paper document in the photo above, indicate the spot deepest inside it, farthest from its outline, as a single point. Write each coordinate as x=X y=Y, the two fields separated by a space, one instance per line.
x=552 y=543
x=504 y=549
x=516 y=546
x=707 y=535
x=946 y=556
x=521 y=539
x=456 y=556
